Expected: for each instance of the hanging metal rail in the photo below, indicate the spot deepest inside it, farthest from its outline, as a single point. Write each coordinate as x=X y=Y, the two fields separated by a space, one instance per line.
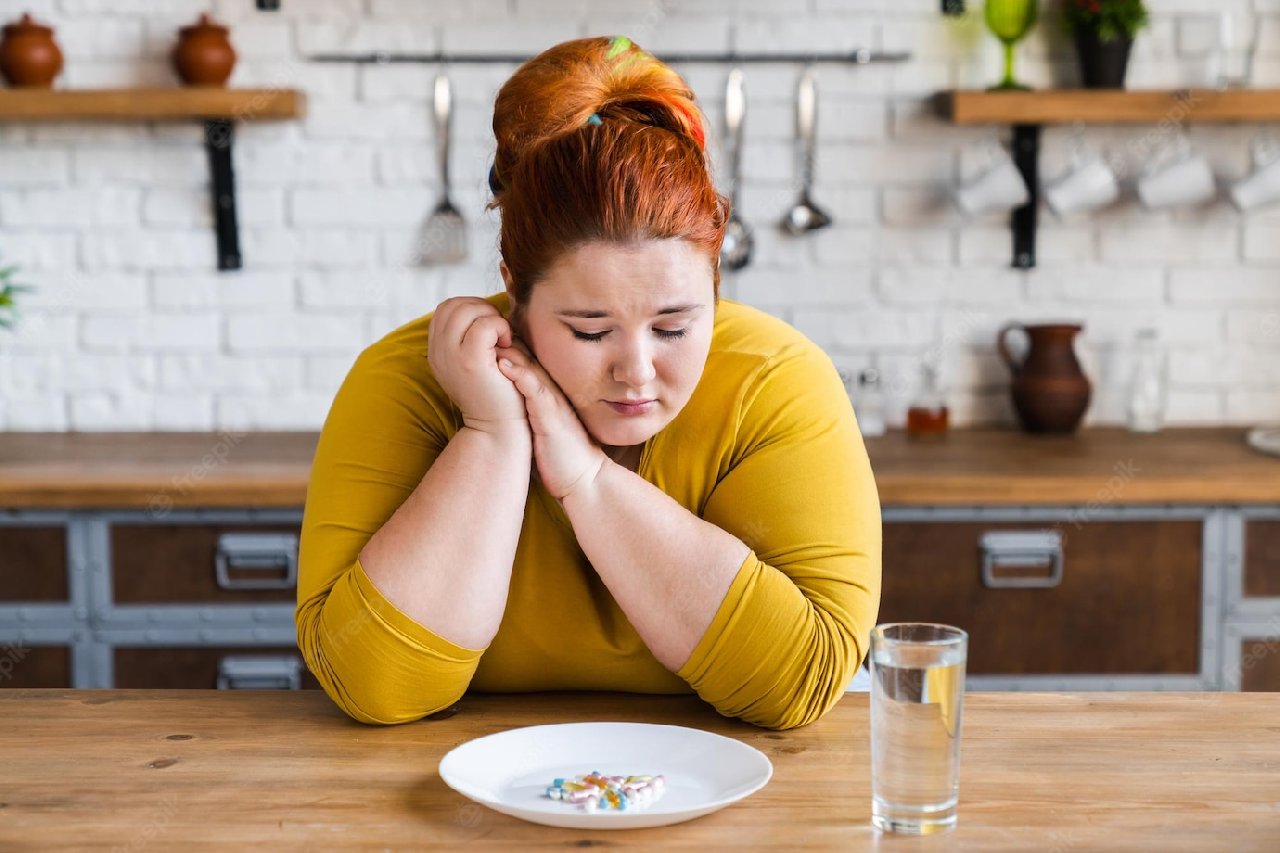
x=861 y=56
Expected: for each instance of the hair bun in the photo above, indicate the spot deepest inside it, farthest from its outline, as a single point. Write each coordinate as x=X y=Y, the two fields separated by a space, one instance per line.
x=585 y=82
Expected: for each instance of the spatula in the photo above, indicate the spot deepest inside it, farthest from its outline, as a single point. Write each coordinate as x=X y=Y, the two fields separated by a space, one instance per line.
x=444 y=238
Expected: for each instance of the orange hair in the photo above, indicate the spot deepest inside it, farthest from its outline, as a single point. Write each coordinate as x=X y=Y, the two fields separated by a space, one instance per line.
x=599 y=141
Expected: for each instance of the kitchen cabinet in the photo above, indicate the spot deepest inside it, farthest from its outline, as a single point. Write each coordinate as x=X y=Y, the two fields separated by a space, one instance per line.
x=1099 y=561
x=1251 y=635
x=1040 y=596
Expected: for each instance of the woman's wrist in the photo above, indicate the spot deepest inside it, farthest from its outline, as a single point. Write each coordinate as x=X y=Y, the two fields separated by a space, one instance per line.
x=512 y=432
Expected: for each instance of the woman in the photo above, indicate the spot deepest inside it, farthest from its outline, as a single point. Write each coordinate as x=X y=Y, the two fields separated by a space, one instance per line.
x=605 y=478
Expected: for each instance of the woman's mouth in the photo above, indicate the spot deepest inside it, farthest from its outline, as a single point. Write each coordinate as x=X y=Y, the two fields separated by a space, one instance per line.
x=633 y=407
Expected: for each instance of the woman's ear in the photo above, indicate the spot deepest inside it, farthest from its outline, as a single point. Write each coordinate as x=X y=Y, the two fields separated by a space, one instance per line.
x=506 y=280
x=513 y=312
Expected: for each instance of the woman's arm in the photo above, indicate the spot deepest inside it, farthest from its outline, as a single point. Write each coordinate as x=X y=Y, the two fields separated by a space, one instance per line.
x=668 y=569
x=444 y=559
x=770 y=633
x=412 y=519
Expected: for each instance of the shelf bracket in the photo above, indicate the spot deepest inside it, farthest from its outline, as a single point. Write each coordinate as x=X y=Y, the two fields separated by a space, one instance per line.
x=218 y=136
x=1022 y=220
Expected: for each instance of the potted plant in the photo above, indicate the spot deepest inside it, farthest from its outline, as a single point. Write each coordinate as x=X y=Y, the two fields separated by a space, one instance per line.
x=8 y=311
x=1103 y=31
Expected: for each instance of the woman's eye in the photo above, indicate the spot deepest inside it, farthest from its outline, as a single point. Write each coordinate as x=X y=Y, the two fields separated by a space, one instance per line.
x=668 y=334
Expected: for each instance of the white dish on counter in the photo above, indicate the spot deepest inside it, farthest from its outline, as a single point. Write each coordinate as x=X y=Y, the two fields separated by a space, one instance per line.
x=1265 y=439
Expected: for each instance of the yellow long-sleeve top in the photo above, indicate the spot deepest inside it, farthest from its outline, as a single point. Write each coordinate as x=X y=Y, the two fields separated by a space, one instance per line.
x=767 y=448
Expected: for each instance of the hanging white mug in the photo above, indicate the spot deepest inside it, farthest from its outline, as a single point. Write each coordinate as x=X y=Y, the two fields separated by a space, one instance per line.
x=997 y=186
x=1088 y=183
x=1262 y=185
x=1186 y=179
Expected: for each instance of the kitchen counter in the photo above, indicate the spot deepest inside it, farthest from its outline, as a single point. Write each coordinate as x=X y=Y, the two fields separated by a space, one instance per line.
x=243 y=769
x=969 y=467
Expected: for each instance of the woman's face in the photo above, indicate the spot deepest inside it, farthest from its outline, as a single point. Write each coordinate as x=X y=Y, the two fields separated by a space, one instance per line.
x=614 y=323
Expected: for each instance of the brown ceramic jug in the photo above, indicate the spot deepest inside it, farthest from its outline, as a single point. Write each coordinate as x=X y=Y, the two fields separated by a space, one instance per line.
x=29 y=57
x=203 y=55
x=1050 y=391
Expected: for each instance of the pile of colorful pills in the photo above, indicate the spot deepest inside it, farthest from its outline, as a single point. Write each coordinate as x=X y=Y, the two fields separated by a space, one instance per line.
x=596 y=791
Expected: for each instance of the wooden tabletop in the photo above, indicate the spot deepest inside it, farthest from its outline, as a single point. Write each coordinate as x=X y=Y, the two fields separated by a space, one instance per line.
x=1039 y=771
x=1104 y=466
x=969 y=467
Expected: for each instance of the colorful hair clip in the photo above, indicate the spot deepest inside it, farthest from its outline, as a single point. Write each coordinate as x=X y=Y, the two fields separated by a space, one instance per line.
x=617 y=46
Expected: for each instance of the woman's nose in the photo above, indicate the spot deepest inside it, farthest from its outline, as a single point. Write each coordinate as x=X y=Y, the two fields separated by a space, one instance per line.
x=635 y=366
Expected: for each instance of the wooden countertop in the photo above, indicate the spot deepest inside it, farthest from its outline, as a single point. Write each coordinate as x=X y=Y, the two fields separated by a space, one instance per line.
x=265 y=769
x=969 y=467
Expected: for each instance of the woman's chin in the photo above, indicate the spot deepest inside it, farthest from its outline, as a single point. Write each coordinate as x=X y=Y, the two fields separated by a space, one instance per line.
x=622 y=435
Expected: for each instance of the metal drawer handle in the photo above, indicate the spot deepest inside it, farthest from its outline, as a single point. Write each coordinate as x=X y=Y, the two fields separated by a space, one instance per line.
x=259 y=672
x=1022 y=549
x=272 y=556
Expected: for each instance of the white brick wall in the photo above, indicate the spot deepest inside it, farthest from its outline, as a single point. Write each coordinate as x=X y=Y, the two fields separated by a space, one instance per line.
x=132 y=328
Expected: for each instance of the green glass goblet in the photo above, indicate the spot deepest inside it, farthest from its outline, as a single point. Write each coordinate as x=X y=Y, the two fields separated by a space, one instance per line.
x=1010 y=21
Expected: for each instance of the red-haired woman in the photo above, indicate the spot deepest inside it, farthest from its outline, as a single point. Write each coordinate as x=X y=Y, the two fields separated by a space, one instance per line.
x=607 y=477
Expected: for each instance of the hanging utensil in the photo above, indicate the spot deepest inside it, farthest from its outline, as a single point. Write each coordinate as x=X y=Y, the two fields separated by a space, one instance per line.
x=735 y=251
x=444 y=238
x=804 y=215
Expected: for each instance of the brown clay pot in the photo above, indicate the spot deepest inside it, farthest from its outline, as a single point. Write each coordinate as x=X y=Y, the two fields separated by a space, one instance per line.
x=1050 y=391
x=29 y=57
x=203 y=55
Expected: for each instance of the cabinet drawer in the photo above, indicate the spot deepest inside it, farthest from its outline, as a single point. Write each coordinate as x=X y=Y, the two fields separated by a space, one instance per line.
x=1259 y=664
x=34 y=666
x=1124 y=599
x=210 y=667
x=33 y=563
x=1262 y=558
x=206 y=563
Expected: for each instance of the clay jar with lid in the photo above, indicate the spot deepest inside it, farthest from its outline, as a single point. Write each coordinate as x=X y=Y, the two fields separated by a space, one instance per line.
x=29 y=57
x=203 y=55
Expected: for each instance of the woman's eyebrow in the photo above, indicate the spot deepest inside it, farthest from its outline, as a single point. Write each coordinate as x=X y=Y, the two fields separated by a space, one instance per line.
x=592 y=315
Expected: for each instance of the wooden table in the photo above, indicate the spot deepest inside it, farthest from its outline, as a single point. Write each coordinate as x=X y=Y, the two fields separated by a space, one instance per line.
x=166 y=770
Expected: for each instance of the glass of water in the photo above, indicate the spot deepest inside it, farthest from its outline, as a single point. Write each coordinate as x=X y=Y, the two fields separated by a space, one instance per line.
x=917 y=695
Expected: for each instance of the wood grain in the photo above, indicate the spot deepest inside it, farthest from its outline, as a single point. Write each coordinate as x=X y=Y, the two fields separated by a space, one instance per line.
x=1100 y=106
x=1098 y=467
x=986 y=467
x=1061 y=771
x=150 y=104
x=155 y=471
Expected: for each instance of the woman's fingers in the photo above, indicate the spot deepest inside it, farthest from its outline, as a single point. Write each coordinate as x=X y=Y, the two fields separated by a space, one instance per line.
x=455 y=316
x=521 y=374
x=484 y=334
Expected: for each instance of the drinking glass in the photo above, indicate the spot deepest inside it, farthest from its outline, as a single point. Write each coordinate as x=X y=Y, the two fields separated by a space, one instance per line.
x=1237 y=42
x=917 y=695
x=1010 y=21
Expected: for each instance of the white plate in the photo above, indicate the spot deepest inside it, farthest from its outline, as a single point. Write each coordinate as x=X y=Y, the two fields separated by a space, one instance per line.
x=510 y=771
x=1265 y=439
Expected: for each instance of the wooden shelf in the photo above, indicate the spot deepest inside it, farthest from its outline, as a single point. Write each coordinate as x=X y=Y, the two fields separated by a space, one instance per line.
x=1108 y=106
x=150 y=104
x=217 y=107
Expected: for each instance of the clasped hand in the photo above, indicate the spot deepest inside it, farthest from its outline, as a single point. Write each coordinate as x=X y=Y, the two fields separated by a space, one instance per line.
x=468 y=342
x=566 y=456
